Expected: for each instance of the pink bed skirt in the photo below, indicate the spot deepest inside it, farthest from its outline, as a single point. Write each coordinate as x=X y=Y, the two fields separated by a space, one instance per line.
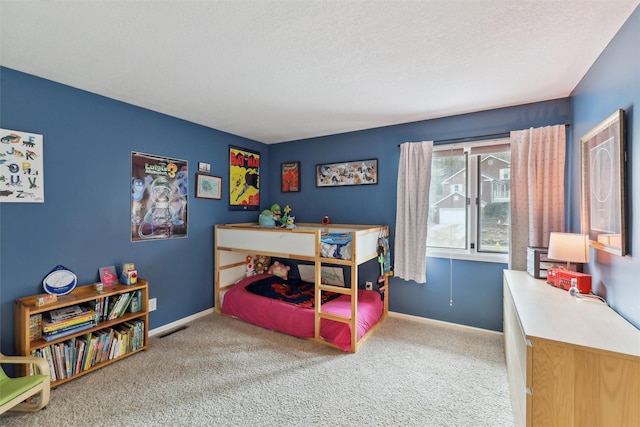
x=299 y=322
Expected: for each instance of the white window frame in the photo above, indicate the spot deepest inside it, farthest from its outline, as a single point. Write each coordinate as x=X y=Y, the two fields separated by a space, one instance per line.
x=473 y=196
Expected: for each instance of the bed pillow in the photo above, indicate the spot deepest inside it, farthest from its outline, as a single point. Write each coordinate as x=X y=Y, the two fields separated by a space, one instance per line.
x=280 y=270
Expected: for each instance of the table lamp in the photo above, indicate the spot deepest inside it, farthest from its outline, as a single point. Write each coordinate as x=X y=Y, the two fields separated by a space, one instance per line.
x=569 y=247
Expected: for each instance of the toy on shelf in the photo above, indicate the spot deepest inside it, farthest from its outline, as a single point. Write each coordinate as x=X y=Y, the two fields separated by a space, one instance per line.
x=266 y=219
x=129 y=274
x=108 y=276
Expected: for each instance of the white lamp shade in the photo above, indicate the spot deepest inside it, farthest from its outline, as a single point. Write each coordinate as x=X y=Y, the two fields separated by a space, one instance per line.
x=569 y=247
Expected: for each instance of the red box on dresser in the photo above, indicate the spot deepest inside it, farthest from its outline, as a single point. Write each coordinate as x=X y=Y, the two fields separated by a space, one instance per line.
x=561 y=278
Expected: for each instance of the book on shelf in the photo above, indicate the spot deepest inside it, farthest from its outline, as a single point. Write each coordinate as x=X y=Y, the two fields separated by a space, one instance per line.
x=65 y=312
x=50 y=326
x=135 y=305
x=46 y=353
x=120 y=306
x=35 y=326
x=57 y=358
x=80 y=344
x=70 y=330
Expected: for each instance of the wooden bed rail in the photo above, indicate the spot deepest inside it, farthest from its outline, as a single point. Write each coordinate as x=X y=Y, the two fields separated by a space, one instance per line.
x=233 y=242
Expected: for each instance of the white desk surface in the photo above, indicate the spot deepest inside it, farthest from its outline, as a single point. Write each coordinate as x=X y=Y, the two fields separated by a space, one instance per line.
x=551 y=313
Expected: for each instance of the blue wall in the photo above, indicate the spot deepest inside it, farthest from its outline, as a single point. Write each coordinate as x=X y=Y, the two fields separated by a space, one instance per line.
x=613 y=82
x=477 y=286
x=84 y=222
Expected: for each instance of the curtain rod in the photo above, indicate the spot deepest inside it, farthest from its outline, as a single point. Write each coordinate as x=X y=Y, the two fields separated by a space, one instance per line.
x=476 y=137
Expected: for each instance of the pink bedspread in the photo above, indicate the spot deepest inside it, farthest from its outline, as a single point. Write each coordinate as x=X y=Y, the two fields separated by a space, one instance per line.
x=299 y=322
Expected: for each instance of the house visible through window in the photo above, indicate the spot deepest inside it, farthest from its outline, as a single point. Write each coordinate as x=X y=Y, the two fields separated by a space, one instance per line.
x=469 y=198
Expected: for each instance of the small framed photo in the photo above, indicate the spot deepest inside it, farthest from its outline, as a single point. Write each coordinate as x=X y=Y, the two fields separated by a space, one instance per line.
x=208 y=186
x=290 y=177
x=108 y=276
x=359 y=172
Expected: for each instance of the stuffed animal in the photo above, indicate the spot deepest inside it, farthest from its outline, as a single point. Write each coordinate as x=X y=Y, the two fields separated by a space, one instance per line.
x=266 y=219
x=262 y=263
x=276 y=213
x=280 y=270
x=251 y=267
x=290 y=222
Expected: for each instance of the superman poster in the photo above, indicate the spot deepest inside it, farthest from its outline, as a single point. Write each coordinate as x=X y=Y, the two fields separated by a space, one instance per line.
x=244 y=179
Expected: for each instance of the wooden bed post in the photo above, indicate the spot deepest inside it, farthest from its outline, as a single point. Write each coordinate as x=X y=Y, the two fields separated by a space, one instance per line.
x=318 y=289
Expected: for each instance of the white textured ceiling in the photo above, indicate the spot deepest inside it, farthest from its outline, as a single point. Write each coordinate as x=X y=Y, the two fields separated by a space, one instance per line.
x=277 y=71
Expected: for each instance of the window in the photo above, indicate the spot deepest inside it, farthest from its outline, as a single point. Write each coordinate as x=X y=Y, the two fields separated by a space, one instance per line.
x=469 y=200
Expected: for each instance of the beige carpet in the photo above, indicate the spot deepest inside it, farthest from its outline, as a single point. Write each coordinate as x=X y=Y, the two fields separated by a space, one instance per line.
x=223 y=372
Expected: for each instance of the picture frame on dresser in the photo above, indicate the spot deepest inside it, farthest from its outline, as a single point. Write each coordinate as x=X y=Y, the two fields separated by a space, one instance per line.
x=602 y=202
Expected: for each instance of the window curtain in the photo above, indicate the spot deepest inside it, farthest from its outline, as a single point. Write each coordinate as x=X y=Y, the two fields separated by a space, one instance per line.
x=537 y=189
x=412 y=211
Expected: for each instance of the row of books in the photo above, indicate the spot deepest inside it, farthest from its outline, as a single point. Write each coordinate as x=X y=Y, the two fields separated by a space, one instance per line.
x=69 y=320
x=78 y=354
x=65 y=321
x=114 y=306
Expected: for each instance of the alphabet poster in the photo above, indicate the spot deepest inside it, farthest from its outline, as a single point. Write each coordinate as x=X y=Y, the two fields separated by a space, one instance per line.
x=244 y=179
x=159 y=197
x=21 y=167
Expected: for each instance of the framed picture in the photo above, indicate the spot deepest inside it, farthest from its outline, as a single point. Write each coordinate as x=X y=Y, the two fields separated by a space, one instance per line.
x=290 y=177
x=159 y=197
x=602 y=202
x=108 y=276
x=244 y=179
x=359 y=172
x=208 y=186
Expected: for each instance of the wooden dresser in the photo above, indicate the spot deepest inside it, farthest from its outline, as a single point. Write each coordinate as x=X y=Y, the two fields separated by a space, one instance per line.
x=571 y=361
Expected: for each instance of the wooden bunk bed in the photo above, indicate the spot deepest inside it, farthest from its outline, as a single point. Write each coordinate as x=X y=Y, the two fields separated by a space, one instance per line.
x=233 y=242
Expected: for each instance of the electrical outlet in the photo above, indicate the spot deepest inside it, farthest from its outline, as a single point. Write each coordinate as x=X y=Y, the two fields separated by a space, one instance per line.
x=368 y=285
x=152 y=304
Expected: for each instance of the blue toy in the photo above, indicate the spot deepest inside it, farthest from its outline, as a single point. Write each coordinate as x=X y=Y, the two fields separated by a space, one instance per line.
x=266 y=219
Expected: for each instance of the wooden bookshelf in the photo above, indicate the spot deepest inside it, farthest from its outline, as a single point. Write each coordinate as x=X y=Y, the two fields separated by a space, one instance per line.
x=26 y=307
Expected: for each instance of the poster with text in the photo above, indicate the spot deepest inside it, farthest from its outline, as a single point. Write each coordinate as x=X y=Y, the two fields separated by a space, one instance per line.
x=159 y=197
x=244 y=179
x=21 y=167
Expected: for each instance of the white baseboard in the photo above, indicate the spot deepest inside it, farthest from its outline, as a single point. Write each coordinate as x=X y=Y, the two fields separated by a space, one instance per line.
x=180 y=322
x=185 y=320
x=443 y=323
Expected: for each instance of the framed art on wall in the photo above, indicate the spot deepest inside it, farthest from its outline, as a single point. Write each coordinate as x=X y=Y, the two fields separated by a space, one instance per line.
x=244 y=179
x=290 y=177
x=359 y=172
x=602 y=204
x=208 y=186
x=22 y=160
x=159 y=195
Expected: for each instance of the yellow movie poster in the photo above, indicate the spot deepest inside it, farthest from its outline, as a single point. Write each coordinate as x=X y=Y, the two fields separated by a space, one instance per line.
x=244 y=179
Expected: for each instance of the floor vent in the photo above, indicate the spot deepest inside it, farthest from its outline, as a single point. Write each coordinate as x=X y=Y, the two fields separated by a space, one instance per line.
x=173 y=331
